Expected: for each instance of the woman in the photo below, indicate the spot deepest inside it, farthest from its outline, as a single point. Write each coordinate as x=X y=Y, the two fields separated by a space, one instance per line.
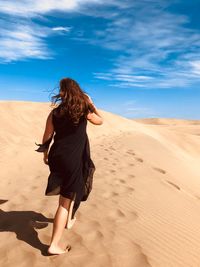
x=71 y=168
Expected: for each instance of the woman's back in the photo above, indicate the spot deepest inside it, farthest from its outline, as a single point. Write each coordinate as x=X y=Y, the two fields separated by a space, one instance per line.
x=63 y=126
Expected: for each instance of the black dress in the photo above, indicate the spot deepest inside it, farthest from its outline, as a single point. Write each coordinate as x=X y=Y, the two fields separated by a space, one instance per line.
x=70 y=165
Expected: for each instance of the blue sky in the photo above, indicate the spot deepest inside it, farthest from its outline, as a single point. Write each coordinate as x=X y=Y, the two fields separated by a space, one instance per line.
x=136 y=58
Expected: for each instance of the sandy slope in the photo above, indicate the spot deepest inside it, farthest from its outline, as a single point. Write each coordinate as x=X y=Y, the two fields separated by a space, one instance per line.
x=144 y=209
x=168 y=121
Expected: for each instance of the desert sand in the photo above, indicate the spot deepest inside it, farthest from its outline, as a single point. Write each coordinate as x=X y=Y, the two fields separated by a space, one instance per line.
x=143 y=210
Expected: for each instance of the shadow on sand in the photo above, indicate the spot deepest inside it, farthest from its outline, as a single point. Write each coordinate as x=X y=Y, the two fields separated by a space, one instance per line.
x=23 y=224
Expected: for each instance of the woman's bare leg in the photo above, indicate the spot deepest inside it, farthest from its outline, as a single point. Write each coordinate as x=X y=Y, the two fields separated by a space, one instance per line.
x=59 y=223
x=70 y=221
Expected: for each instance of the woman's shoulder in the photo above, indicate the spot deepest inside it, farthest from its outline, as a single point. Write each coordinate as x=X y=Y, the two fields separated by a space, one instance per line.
x=56 y=111
x=55 y=108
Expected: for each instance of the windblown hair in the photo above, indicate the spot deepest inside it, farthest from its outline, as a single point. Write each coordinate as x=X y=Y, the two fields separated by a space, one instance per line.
x=74 y=102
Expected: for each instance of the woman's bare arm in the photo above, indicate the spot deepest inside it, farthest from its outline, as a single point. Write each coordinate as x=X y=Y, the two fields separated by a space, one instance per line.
x=94 y=117
x=49 y=130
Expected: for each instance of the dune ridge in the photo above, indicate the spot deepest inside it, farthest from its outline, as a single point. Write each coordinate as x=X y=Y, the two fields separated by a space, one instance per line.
x=168 y=121
x=144 y=206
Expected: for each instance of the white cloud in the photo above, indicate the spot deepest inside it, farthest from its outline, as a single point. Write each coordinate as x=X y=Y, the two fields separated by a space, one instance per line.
x=21 y=39
x=26 y=8
x=195 y=67
x=30 y=8
x=131 y=109
x=18 y=41
x=61 y=29
x=128 y=80
x=152 y=43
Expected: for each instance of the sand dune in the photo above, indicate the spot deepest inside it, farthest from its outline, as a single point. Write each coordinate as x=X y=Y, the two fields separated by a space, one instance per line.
x=144 y=209
x=168 y=121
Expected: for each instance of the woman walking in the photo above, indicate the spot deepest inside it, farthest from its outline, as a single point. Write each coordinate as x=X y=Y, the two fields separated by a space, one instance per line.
x=70 y=165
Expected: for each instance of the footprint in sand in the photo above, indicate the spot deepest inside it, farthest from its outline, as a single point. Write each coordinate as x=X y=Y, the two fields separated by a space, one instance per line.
x=130 y=152
x=95 y=235
x=131 y=176
x=23 y=197
x=109 y=194
x=127 y=251
x=93 y=230
x=77 y=238
x=119 y=215
x=34 y=187
x=173 y=184
x=130 y=189
x=196 y=196
x=131 y=164
x=94 y=224
x=139 y=159
x=141 y=259
x=116 y=213
x=112 y=171
x=159 y=170
x=94 y=205
x=125 y=190
x=134 y=215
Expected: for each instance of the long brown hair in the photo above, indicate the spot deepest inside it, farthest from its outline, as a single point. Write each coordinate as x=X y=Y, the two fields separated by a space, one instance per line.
x=73 y=101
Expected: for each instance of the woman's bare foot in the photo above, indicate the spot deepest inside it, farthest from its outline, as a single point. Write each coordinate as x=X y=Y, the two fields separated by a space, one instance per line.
x=70 y=223
x=56 y=250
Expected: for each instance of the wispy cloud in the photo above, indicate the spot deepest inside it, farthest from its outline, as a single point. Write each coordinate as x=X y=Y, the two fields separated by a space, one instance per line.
x=152 y=43
x=19 y=41
x=122 y=77
x=131 y=109
x=26 y=8
x=153 y=48
x=61 y=29
x=195 y=67
x=22 y=39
